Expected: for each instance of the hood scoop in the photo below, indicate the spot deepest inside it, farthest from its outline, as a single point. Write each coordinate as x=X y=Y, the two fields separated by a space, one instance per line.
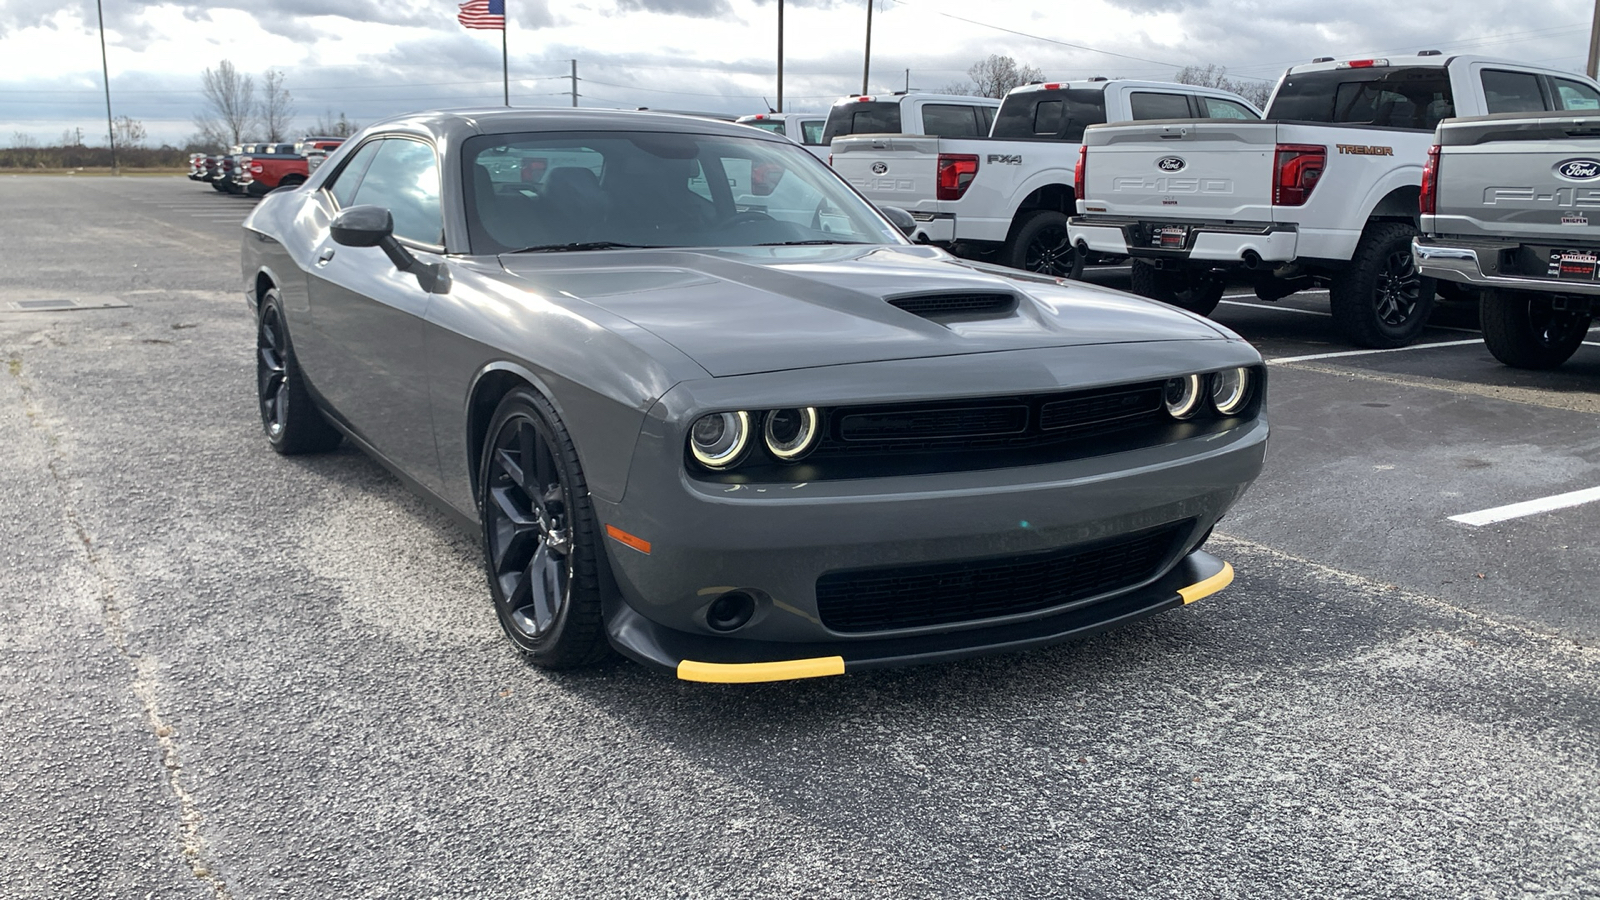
x=954 y=304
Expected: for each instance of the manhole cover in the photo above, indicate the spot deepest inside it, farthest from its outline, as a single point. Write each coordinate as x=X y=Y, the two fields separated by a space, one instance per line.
x=26 y=305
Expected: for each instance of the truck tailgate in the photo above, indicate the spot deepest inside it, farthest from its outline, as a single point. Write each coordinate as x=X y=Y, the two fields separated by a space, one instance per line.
x=890 y=169
x=1181 y=170
x=1529 y=178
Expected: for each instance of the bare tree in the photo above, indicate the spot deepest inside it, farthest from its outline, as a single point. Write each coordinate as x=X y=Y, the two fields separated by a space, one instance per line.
x=129 y=131
x=277 y=107
x=1214 y=76
x=328 y=126
x=994 y=76
x=230 y=110
x=23 y=141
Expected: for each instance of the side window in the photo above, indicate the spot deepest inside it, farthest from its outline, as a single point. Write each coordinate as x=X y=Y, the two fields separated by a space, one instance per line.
x=1047 y=117
x=1218 y=108
x=985 y=119
x=349 y=178
x=1576 y=94
x=404 y=177
x=1147 y=105
x=943 y=120
x=811 y=131
x=1512 y=91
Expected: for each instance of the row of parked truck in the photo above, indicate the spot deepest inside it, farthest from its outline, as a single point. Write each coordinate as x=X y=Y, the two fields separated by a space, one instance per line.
x=1387 y=181
x=254 y=169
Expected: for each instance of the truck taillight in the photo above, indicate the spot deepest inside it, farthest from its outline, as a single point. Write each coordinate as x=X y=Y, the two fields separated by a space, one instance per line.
x=1428 y=200
x=1298 y=169
x=955 y=173
x=1078 y=176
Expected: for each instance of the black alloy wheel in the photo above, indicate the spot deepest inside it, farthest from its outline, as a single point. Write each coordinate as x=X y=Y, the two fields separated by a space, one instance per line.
x=1381 y=300
x=289 y=416
x=1525 y=330
x=1042 y=245
x=539 y=536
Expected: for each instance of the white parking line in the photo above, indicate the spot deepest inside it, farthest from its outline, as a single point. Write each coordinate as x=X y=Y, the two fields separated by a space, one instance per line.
x=1308 y=358
x=1252 y=294
x=1528 y=507
x=1288 y=309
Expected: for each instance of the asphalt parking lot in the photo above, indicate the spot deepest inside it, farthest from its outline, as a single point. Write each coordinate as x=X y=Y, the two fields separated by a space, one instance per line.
x=231 y=674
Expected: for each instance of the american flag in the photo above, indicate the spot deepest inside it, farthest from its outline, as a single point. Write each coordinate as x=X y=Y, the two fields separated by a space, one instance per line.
x=486 y=14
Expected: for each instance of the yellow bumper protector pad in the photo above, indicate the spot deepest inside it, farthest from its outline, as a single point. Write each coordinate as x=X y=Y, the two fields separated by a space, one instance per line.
x=1208 y=587
x=748 y=673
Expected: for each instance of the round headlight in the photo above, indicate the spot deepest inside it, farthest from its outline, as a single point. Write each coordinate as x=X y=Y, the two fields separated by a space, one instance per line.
x=719 y=439
x=1183 y=396
x=791 y=433
x=1230 y=389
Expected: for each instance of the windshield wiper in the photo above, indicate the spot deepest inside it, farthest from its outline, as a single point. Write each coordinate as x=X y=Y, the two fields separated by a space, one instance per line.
x=584 y=245
x=803 y=243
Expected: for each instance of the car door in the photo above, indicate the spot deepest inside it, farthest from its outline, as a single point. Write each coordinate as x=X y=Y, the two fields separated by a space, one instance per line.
x=369 y=315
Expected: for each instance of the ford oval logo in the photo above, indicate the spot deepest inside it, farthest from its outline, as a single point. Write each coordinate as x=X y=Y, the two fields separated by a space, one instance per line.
x=879 y=168
x=1579 y=169
x=1171 y=164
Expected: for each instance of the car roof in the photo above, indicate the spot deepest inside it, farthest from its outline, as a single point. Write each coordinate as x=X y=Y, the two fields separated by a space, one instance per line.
x=1426 y=58
x=460 y=124
x=897 y=96
x=1100 y=84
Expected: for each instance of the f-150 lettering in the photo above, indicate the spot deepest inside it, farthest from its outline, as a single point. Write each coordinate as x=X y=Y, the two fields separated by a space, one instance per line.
x=1166 y=184
x=1522 y=196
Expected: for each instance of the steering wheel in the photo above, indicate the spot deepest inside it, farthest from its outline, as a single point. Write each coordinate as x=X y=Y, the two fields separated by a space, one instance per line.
x=749 y=215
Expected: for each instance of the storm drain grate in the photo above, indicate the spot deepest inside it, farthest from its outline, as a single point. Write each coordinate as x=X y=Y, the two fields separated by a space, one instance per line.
x=38 y=305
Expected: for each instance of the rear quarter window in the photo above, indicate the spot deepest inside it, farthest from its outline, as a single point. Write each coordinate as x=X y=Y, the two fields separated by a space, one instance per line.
x=1576 y=94
x=1505 y=92
x=1150 y=105
x=950 y=120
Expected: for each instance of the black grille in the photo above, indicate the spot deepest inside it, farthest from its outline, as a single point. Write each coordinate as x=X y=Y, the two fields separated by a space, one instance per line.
x=1100 y=409
x=946 y=593
x=931 y=305
x=916 y=424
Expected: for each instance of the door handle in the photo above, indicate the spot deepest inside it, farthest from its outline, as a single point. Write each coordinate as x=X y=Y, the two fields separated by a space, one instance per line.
x=325 y=255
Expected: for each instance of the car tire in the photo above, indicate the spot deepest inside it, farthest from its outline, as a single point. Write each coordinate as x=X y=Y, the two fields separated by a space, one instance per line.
x=1524 y=331
x=1041 y=244
x=540 y=537
x=289 y=416
x=1380 y=300
x=1197 y=292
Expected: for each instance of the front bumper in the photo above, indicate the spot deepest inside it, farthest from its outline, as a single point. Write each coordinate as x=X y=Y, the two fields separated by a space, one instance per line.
x=1462 y=261
x=700 y=539
x=718 y=660
x=1219 y=243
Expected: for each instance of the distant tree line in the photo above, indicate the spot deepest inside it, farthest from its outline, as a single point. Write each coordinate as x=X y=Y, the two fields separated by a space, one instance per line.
x=236 y=112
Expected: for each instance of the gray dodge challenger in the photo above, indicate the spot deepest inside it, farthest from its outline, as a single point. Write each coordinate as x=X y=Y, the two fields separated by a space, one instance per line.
x=706 y=407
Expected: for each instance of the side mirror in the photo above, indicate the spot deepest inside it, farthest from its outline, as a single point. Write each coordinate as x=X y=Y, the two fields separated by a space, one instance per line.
x=373 y=226
x=899 y=218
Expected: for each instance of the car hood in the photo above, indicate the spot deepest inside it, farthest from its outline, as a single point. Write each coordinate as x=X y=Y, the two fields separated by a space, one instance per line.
x=741 y=311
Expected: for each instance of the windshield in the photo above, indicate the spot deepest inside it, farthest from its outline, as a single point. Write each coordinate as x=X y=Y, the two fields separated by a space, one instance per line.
x=575 y=191
x=1416 y=97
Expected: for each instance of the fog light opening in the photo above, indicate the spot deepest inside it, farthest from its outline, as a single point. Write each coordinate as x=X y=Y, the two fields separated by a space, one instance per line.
x=731 y=611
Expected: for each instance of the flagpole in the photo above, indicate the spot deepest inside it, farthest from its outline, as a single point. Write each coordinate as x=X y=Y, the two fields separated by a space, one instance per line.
x=505 y=60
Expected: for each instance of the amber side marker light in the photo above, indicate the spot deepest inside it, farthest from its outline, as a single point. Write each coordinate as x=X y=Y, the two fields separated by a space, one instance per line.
x=627 y=540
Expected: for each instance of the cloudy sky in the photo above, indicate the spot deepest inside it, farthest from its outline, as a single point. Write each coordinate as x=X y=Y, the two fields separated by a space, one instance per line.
x=372 y=58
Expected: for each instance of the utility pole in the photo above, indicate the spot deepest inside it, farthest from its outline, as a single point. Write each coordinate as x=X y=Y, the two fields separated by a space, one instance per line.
x=505 y=62
x=105 y=68
x=575 y=80
x=780 y=54
x=908 y=72
x=1594 y=40
x=866 y=60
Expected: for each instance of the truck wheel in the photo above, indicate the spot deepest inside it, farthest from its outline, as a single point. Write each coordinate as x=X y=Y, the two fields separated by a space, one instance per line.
x=1381 y=300
x=1041 y=245
x=1523 y=330
x=1198 y=292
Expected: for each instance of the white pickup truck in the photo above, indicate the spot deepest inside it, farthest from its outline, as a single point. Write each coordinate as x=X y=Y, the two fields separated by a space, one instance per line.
x=804 y=129
x=1506 y=207
x=1324 y=191
x=909 y=112
x=1007 y=196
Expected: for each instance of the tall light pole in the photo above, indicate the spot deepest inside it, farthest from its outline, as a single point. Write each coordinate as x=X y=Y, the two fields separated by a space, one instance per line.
x=780 y=54
x=105 y=68
x=1594 y=40
x=866 y=62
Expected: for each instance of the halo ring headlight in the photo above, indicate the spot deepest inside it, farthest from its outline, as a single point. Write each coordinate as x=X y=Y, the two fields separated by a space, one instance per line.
x=1230 y=390
x=1183 y=396
x=791 y=433
x=718 y=440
